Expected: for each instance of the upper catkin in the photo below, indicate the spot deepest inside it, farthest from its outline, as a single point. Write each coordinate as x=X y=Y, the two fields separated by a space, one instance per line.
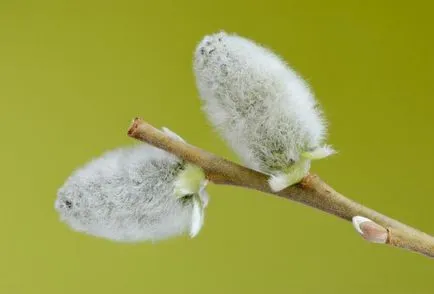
x=134 y=194
x=263 y=109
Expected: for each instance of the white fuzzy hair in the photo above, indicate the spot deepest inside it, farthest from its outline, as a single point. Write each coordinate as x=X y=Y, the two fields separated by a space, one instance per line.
x=262 y=108
x=128 y=195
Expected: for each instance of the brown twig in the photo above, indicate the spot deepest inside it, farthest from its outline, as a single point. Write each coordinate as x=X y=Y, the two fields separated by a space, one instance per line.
x=312 y=191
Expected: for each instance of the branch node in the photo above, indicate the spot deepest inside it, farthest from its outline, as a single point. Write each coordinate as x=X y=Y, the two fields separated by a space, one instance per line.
x=306 y=182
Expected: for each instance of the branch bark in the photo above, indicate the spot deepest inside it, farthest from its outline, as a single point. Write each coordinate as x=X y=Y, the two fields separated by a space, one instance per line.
x=311 y=191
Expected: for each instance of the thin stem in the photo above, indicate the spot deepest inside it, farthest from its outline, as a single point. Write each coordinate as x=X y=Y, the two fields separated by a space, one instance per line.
x=311 y=191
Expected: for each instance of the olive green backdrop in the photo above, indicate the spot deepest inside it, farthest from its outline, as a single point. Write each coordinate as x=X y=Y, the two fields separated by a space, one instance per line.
x=74 y=73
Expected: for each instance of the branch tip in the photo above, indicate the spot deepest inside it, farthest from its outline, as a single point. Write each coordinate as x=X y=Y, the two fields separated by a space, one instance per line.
x=134 y=125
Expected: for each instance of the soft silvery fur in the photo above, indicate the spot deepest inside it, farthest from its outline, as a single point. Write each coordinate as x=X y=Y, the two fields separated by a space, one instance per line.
x=263 y=109
x=130 y=195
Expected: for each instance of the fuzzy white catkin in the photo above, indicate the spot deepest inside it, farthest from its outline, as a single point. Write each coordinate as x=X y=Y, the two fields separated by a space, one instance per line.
x=128 y=195
x=262 y=108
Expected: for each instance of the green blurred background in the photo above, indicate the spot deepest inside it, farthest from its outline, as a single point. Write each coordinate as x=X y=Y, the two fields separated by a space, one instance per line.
x=74 y=73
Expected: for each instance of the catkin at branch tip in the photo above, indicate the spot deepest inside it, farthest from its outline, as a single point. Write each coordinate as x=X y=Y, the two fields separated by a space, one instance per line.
x=130 y=194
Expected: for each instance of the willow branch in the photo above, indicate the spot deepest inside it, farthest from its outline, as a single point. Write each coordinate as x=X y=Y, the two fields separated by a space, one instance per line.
x=311 y=191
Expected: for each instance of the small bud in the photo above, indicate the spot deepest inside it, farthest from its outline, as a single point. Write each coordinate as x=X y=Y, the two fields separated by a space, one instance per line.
x=135 y=194
x=263 y=108
x=370 y=230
